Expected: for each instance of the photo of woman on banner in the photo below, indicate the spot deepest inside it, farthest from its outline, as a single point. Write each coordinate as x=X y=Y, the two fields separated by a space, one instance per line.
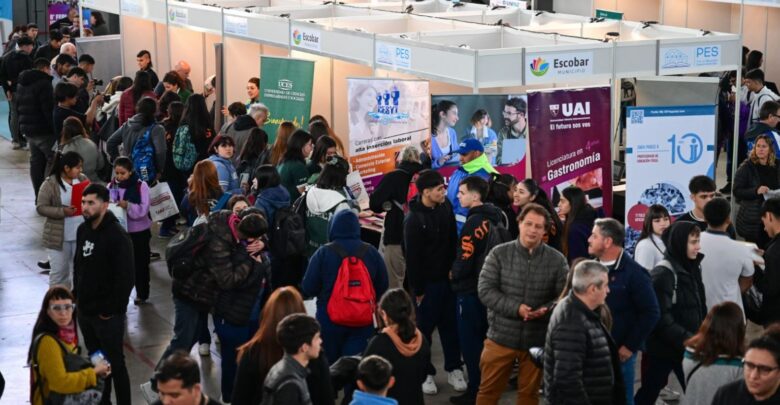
x=444 y=139
x=590 y=183
x=361 y=104
x=481 y=130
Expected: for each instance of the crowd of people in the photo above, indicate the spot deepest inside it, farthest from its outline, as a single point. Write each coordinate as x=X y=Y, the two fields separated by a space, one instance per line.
x=516 y=288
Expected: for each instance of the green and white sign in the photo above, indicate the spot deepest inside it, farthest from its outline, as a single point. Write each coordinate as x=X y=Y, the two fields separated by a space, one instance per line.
x=609 y=14
x=285 y=88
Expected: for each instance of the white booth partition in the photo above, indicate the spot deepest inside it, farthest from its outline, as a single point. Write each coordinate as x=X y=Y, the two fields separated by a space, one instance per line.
x=109 y=6
x=193 y=31
x=143 y=26
x=418 y=7
x=512 y=16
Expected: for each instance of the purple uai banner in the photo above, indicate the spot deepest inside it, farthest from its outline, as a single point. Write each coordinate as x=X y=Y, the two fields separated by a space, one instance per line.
x=569 y=143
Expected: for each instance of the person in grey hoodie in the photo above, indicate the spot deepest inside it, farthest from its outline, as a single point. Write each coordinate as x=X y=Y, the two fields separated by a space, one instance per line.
x=74 y=139
x=239 y=130
x=135 y=128
x=519 y=283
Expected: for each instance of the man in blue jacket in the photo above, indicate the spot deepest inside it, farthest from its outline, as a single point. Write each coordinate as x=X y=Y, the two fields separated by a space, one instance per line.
x=631 y=298
x=321 y=275
x=473 y=162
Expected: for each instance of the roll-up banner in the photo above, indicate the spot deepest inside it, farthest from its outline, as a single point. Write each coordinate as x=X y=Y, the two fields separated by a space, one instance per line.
x=384 y=116
x=665 y=148
x=499 y=122
x=285 y=88
x=570 y=143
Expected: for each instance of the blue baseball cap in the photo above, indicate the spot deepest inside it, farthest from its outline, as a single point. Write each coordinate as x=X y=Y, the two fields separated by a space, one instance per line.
x=470 y=145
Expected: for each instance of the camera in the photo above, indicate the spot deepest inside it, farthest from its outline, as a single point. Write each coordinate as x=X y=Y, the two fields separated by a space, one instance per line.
x=97 y=82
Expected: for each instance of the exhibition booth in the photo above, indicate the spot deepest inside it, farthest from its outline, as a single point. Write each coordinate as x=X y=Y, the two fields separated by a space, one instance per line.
x=373 y=69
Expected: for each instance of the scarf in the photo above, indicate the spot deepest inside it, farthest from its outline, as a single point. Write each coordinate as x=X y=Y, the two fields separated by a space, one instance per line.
x=132 y=188
x=233 y=221
x=481 y=162
x=406 y=349
x=68 y=334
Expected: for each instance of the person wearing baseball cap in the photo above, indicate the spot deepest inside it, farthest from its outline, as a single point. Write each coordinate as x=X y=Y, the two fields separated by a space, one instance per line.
x=473 y=162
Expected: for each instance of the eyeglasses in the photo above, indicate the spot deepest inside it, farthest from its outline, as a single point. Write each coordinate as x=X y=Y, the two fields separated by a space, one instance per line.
x=760 y=368
x=509 y=114
x=62 y=307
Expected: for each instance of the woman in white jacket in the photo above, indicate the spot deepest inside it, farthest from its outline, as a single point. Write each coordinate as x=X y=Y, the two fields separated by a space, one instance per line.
x=650 y=248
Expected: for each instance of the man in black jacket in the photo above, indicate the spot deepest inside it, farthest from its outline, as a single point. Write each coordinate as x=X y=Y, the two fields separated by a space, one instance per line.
x=52 y=49
x=285 y=383
x=14 y=64
x=104 y=271
x=580 y=358
x=768 y=281
x=483 y=219
x=430 y=237
x=34 y=106
x=391 y=196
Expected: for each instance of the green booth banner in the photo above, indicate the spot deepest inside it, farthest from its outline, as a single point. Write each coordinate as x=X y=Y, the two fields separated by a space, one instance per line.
x=285 y=88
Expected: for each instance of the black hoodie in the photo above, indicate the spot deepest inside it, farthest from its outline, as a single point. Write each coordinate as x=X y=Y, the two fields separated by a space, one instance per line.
x=430 y=237
x=473 y=242
x=680 y=294
x=393 y=187
x=103 y=268
x=35 y=103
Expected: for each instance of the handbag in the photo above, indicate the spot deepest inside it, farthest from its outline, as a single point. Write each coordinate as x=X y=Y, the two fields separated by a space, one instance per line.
x=162 y=202
x=73 y=362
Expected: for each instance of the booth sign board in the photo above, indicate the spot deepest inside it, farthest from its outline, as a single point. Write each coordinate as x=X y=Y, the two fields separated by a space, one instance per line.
x=673 y=59
x=236 y=25
x=132 y=7
x=393 y=56
x=508 y=3
x=306 y=38
x=608 y=14
x=178 y=15
x=554 y=67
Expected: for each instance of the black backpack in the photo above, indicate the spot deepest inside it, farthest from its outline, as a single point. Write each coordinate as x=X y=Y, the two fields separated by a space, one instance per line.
x=182 y=250
x=497 y=234
x=288 y=235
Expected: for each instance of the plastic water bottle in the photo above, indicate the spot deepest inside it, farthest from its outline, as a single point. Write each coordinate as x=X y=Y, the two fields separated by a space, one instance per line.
x=97 y=358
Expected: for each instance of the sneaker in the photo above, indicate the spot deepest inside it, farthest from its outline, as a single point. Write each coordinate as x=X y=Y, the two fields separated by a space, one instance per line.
x=44 y=264
x=166 y=234
x=667 y=394
x=465 y=398
x=154 y=256
x=456 y=379
x=148 y=393
x=429 y=386
x=181 y=221
x=204 y=349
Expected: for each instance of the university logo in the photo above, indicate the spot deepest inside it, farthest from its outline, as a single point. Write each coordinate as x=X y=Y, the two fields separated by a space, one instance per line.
x=539 y=67
x=285 y=84
x=387 y=110
x=675 y=58
x=297 y=37
x=555 y=109
x=574 y=109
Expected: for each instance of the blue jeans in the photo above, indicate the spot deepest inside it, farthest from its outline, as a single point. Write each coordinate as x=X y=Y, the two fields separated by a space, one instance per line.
x=231 y=337
x=338 y=341
x=438 y=310
x=472 y=331
x=655 y=376
x=186 y=326
x=628 y=367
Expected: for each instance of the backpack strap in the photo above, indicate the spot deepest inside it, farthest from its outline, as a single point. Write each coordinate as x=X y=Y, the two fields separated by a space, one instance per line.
x=34 y=360
x=666 y=264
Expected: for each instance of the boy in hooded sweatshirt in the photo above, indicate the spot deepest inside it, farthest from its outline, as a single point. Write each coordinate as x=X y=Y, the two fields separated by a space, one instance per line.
x=430 y=238
x=321 y=275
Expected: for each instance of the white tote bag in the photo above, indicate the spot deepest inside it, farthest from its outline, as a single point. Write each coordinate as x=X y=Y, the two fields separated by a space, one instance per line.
x=120 y=214
x=162 y=203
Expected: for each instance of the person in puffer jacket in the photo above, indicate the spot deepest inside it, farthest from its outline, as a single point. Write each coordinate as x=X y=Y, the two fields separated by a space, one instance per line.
x=34 y=104
x=130 y=132
x=321 y=275
x=222 y=150
x=581 y=363
x=324 y=200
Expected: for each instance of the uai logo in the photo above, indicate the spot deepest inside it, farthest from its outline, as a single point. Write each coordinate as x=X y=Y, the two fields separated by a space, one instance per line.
x=539 y=67
x=297 y=37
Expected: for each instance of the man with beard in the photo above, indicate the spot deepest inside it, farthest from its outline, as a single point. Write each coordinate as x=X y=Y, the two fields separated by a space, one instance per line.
x=103 y=278
x=515 y=126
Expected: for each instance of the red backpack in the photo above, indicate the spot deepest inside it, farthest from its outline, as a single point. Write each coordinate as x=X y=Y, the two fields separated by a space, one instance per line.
x=353 y=300
x=410 y=194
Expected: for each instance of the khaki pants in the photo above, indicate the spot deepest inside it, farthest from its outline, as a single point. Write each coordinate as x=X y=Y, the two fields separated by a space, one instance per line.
x=496 y=366
x=395 y=263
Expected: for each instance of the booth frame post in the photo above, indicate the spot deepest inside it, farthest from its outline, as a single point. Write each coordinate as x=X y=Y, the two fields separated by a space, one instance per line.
x=615 y=146
x=122 y=39
x=168 y=37
x=735 y=136
x=81 y=21
x=219 y=70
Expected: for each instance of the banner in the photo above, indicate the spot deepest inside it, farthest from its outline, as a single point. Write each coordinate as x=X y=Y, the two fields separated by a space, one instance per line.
x=384 y=116
x=59 y=10
x=483 y=117
x=285 y=86
x=570 y=143
x=665 y=148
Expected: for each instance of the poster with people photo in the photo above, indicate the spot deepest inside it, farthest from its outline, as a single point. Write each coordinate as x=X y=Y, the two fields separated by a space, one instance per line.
x=384 y=116
x=499 y=122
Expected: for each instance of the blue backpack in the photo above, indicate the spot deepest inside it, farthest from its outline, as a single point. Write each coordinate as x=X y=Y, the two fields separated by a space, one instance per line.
x=184 y=153
x=143 y=157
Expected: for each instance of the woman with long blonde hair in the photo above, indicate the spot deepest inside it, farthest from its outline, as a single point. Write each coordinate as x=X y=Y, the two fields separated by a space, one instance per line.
x=758 y=175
